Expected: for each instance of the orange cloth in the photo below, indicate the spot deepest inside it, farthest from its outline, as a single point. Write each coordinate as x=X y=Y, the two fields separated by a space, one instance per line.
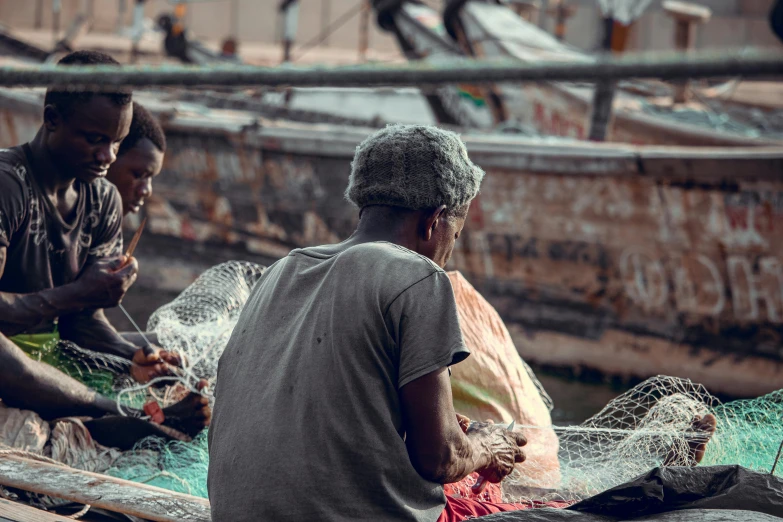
x=493 y=383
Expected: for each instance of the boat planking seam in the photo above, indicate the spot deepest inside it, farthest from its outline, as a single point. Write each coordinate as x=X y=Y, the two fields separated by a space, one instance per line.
x=15 y=512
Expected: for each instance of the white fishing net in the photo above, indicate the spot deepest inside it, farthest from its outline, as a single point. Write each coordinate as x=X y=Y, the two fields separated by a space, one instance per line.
x=197 y=324
x=632 y=434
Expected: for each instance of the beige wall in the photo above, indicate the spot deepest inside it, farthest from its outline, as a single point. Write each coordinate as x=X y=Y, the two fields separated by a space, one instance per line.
x=734 y=22
x=212 y=19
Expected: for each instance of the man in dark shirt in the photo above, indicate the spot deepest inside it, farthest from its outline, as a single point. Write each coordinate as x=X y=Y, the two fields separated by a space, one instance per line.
x=61 y=256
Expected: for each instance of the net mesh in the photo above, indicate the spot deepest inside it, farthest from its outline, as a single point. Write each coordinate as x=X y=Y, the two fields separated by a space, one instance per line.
x=632 y=434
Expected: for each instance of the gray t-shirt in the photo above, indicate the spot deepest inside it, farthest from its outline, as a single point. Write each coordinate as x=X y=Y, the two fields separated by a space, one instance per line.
x=308 y=422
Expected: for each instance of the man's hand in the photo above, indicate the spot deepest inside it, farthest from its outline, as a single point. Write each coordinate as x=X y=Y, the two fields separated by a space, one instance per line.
x=104 y=283
x=464 y=422
x=152 y=361
x=504 y=447
x=192 y=414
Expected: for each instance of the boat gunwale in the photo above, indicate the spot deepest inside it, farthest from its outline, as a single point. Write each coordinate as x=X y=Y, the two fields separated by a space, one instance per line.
x=490 y=151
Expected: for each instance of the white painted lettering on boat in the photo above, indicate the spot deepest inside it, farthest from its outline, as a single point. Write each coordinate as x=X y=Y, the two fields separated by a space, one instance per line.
x=751 y=286
x=644 y=278
x=700 y=288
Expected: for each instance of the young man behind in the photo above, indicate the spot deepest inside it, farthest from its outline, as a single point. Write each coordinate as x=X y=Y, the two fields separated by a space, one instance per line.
x=139 y=160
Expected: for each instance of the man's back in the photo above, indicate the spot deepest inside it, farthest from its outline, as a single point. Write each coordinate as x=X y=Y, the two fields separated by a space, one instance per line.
x=307 y=411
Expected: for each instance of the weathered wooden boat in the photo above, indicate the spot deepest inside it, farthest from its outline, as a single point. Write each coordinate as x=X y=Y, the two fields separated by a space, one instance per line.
x=643 y=111
x=631 y=261
x=113 y=495
x=354 y=106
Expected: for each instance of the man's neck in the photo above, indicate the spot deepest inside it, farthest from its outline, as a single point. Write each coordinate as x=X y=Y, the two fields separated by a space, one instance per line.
x=379 y=227
x=51 y=179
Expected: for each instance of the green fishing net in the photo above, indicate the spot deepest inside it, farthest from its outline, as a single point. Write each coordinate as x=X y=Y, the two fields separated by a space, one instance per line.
x=632 y=434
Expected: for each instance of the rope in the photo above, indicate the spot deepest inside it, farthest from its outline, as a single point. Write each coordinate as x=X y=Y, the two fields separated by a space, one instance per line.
x=663 y=66
x=341 y=21
x=79 y=514
x=777 y=458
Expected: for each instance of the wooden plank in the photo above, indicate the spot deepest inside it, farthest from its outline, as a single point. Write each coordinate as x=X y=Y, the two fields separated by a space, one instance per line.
x=113 y=494
x=14 y=512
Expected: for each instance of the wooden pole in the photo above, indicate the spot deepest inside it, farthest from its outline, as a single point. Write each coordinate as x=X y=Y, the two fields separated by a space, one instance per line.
x=56 y=11
x=102 y=491
x=121 y=10
x=326 y=18
x=603 y=96
x=235 y=19
x=686 y=16
x=722 y=64
x=290 y=19
x=138 y=28
x=364 y=30
x=38 y=14
x=488 y=92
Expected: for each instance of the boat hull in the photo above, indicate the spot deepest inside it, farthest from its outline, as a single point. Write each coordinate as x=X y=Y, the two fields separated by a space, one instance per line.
x=488 y=30
x=623 y=260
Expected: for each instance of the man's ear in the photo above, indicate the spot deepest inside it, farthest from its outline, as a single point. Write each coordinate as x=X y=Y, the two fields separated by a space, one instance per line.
x=432 y=221
x=52 y=118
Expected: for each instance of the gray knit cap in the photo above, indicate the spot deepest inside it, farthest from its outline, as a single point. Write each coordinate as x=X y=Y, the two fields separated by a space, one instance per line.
x=413 y=166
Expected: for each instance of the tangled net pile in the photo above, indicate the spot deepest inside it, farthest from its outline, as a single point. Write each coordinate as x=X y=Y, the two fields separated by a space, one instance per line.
x=631 y=435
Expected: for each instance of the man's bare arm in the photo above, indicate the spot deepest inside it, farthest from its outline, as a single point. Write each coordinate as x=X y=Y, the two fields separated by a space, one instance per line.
x=101 y=286
x=32 y=385
x=36 y=386
x=92 y=330
x=21 y=311
x=437 y=446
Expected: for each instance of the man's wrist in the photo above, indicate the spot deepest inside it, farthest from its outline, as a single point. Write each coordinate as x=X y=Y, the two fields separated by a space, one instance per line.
x=104 y=406
x=126 y=350
x=68 y=298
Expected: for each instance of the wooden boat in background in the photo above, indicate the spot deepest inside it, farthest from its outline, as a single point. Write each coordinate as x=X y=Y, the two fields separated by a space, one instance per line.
x=643 y=111
x=627 y=260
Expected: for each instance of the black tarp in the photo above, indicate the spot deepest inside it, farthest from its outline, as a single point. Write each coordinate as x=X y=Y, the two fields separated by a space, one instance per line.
x=674 y=494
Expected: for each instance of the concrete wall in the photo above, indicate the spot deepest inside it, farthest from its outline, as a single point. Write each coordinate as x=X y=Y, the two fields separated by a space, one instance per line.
x=213 y=19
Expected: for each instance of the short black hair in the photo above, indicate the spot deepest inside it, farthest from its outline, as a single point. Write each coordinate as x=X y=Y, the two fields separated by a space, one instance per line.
x=65 y=100
x=144 y=125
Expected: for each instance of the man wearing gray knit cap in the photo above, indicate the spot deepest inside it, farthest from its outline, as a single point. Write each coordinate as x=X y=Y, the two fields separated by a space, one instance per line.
x=333 y=400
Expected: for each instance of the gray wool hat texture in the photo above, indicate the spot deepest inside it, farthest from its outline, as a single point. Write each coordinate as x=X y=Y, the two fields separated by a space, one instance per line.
x=414 y=167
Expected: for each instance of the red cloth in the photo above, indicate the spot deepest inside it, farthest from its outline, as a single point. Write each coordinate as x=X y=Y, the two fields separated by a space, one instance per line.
x=463 y=504
x=462 y=489
x=459 y=509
